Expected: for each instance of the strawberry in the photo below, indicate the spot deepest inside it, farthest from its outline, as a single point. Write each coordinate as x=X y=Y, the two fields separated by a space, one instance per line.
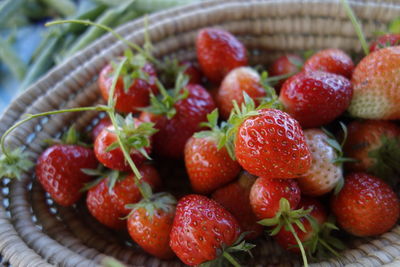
x=266 y=194
x=239 y=192
x=133 y=87
x=103 y=123
x=59 y=169
x=106 y=200
x=326 y=171
x=376 y=147
x=285 y=66
x=208 y=165
x=150 y=224
x=232 y=87
x=271 y=144
x=136 y=137
x=194 y=74
x=315 y=98
x=204 y=231
x=177 y=116
x=386 y=40
x=366 y=206
x=376 y=86
x=219 y=52
x=330 y=60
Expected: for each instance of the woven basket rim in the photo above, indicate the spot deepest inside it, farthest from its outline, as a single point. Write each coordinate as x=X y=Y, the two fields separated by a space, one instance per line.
x=37 y=90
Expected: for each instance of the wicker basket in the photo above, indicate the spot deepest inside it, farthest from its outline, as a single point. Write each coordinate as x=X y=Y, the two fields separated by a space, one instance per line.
x=36 y=232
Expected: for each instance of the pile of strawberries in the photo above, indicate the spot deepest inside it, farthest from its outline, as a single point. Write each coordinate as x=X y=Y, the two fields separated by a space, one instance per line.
x=290 y=153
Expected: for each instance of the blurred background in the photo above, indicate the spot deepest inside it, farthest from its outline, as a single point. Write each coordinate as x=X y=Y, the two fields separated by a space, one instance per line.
x=28 y=49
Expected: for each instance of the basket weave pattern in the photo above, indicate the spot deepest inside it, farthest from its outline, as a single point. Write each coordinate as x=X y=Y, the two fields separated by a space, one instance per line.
x=36 y=232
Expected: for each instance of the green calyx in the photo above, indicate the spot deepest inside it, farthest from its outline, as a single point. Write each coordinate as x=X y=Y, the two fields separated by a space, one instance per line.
x=322 y=244
x=14 y=163
x=224 y=255
x=133 y=137
x=170 y=69
x=70 y=137
x=338 y=147
x=132 y=69
x=285 y=216
x=112 y=177
x=164 y=103
x=157 y=202
x=386 y=160
x=271 y=99
x=218 y=133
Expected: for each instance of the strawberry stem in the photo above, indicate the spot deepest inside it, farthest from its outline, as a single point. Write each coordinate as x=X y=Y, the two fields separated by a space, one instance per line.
x=231 y=259
x=33 y=116
x=111 y=114
x=356 y=25
x=303 y=253
x=328 y=247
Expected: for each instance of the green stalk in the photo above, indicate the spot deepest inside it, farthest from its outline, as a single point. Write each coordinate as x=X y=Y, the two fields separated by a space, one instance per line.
x=33 y=116
x=108 y=29
x=148 y=6
x=8 y=8
x=91 y=14
x=303 y=253
x=65 y=7
x=231 y=259
x=128 y=16
x=12 y=60
x=328 y=247
x=41 y=64
x=356 y=25
x=92 y=33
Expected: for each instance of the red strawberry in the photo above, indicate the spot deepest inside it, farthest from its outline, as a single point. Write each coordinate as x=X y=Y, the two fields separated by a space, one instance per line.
x=239 y=192
x=386 y=40
x=209 y=166
x=316 y=98
x=330 y=60
x=150 y=224
x=131 y=92
x=136 y=136
x=58 y=169
x=272 y=145
x=202 y=230
x=265 y=196
x=178 y=122
x=318 y=214
x=366 y=206
x=286 y=65
x=377 y=86
x=106 y=201
x=326 y=171
x=103 y=123
x=195 y=76
x=219 y=52
x=376 y=147
x=237 y=81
